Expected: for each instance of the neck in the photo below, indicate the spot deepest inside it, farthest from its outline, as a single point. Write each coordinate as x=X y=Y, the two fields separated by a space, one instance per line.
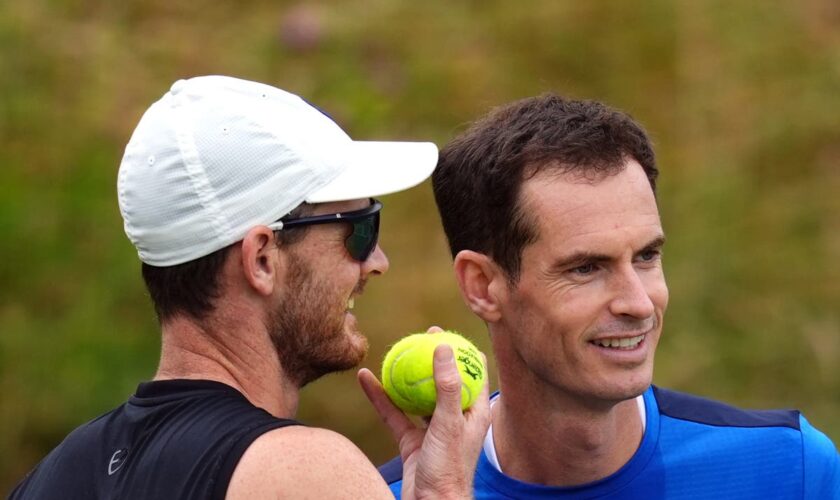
x=233 y=349
x=562 y=443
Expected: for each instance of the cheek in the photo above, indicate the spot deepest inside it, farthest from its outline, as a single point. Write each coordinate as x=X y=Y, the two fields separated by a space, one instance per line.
x=338 y=269
x=559 y=319
x=580 y=307
x=657 y=290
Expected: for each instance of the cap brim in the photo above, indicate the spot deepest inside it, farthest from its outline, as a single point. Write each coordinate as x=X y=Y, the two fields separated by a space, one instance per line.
x=376 y=168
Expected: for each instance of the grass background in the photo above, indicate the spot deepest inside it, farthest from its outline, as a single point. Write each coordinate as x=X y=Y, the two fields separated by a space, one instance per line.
x=742 y=99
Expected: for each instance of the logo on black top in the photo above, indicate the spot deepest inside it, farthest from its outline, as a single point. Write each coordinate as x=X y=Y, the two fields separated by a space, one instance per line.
x=117 y=460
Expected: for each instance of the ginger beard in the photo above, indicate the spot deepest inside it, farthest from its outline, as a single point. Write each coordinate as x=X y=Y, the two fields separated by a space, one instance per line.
x=312 y=331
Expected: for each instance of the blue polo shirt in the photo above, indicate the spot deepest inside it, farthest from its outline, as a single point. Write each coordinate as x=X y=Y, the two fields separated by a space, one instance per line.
x=694 y=448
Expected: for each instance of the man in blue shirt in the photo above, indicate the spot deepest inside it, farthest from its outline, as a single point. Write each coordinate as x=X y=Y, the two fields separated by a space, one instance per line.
x=550 y=211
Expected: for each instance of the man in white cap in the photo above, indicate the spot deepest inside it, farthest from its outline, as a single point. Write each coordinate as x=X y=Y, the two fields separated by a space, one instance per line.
x=254 y=217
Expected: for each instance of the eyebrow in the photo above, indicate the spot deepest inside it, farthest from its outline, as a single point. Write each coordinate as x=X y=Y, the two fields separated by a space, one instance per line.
x=587 y=257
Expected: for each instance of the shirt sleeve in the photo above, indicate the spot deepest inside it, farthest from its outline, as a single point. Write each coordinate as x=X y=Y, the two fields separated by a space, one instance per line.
x=821 y=463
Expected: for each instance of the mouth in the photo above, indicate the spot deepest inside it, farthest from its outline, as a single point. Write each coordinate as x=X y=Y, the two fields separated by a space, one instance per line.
x=620 y=343
x=358 y=290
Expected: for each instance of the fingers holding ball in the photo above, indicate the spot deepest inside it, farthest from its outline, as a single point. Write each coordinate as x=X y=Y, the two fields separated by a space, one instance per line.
x=408 y=371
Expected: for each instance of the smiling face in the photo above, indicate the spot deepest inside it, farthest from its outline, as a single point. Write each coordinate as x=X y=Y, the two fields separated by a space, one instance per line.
x=585 y=316
x=312 y=326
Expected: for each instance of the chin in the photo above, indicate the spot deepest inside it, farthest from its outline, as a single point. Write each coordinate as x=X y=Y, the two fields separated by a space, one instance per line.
x=355 y=344
x=635 y=386
x=334 y=355
x=624 y=386
x=358 y=349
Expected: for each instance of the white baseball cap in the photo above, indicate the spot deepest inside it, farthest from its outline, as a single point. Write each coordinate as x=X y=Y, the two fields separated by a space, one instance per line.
x=216 y=156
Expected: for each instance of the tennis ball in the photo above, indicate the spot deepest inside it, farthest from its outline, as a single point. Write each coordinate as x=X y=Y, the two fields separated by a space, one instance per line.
x=408 y=374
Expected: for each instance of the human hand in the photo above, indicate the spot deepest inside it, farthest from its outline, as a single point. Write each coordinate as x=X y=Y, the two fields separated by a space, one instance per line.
x=439 y=460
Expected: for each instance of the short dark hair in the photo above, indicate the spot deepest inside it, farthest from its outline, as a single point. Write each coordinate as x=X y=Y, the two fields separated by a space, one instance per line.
x=480 y=173
x=192 y=288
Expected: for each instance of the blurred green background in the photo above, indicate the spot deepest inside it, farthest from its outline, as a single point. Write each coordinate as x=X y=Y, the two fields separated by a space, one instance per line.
x=741 y=97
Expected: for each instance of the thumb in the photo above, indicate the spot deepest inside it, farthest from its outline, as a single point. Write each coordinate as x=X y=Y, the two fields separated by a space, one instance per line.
x=447 y=382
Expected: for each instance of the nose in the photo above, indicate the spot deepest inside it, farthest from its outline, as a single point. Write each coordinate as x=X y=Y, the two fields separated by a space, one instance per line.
x=376 y=263
x=631 y=296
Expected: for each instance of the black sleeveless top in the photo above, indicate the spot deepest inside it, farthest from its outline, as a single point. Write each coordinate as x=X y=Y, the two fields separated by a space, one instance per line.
x=175 y=439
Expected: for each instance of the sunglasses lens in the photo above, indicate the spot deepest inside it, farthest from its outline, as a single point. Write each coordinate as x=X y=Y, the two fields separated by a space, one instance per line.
x=362 y=240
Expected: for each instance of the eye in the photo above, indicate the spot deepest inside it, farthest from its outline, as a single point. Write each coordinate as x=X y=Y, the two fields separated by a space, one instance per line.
x=584 y=269
x=649 y=255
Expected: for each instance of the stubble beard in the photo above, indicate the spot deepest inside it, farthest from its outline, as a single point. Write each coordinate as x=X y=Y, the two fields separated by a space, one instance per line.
x=309 y=329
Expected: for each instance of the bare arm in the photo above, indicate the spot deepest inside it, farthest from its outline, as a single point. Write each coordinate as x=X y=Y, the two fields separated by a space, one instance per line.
x=304 y=462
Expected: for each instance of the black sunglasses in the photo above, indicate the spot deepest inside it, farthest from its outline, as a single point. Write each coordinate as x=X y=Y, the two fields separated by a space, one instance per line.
x=365 y=222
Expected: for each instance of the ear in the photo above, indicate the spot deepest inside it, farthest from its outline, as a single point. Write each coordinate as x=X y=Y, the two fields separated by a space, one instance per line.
x=262 y=260
x=483 y=284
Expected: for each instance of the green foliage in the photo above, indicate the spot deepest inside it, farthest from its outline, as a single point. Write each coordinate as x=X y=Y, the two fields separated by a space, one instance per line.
x=741 y=98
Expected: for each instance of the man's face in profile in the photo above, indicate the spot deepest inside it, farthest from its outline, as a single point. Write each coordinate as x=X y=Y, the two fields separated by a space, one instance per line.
x=313 y=327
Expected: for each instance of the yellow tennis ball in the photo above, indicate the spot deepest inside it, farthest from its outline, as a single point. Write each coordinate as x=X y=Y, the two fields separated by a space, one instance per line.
x=408 y=374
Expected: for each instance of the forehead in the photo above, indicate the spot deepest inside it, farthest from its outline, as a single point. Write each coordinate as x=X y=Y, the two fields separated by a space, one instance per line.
x=568 y=209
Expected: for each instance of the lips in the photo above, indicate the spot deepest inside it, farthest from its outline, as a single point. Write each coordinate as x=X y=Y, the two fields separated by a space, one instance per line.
x=623 y=343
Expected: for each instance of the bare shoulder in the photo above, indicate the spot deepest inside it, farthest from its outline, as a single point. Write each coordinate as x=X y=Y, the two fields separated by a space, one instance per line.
x=305 y=462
